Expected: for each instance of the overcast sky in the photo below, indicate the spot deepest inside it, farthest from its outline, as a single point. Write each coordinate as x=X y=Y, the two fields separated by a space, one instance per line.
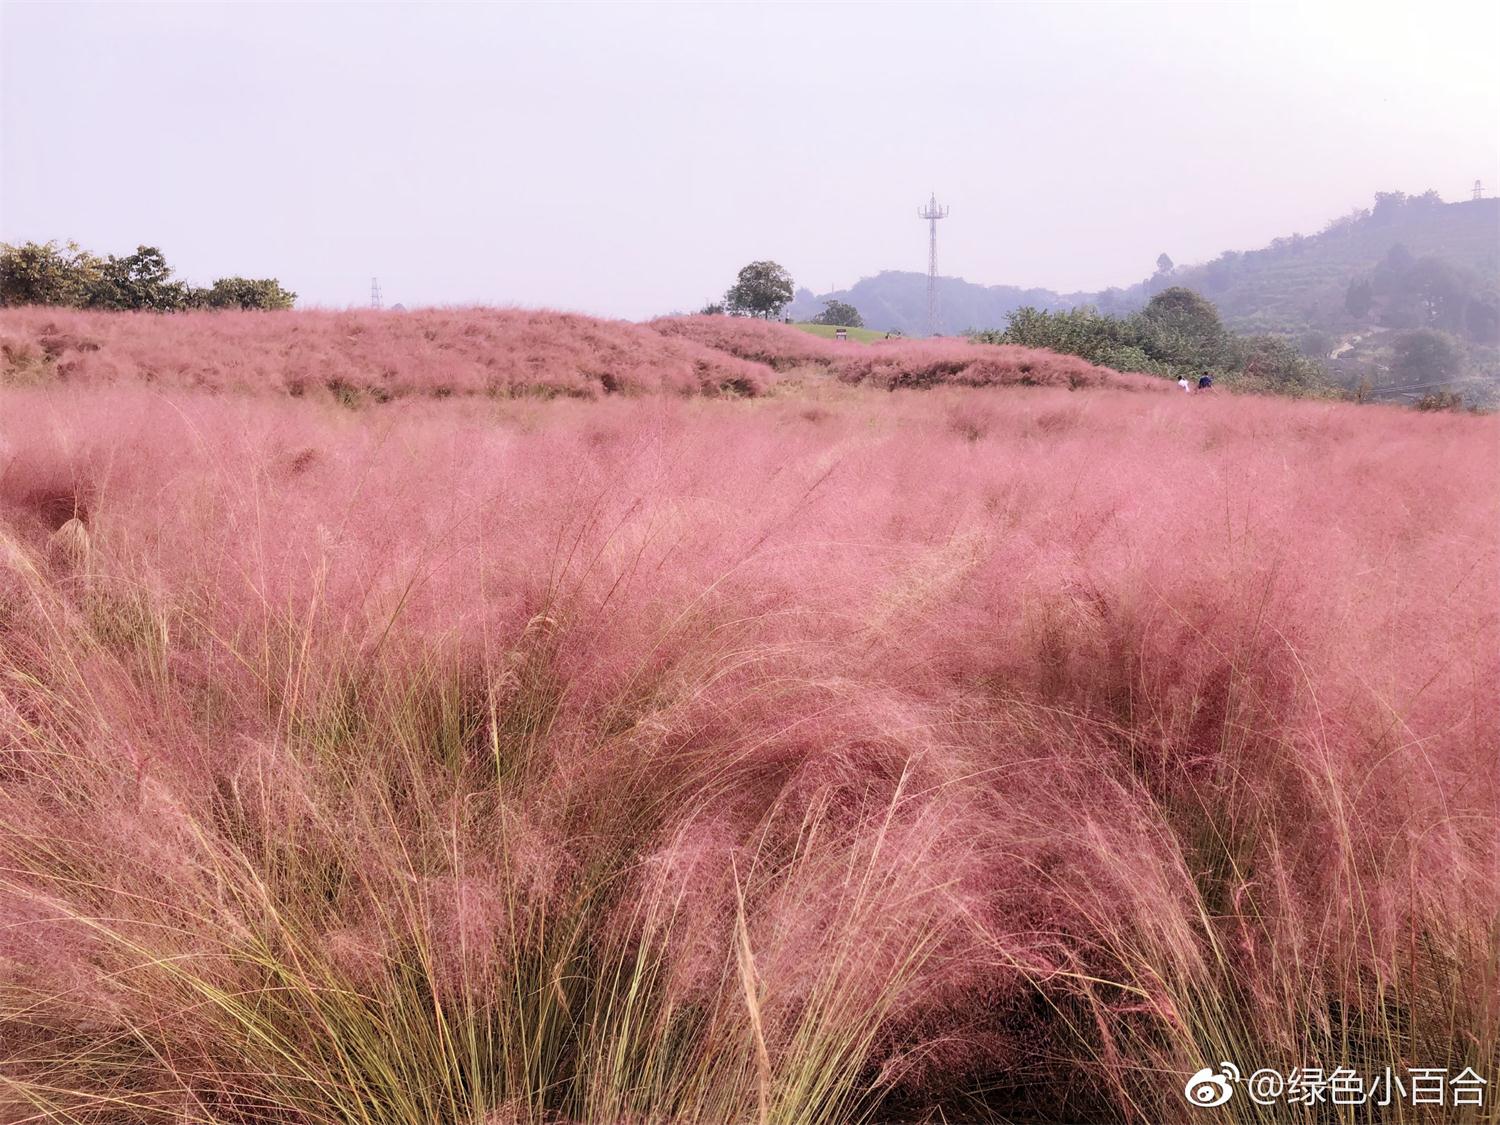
x=627 y=160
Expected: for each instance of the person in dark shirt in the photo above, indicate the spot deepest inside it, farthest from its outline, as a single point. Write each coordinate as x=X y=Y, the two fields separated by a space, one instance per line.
x=1205 y=381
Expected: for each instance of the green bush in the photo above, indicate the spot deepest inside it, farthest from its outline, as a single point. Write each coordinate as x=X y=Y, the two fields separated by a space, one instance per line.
x=1178 y=335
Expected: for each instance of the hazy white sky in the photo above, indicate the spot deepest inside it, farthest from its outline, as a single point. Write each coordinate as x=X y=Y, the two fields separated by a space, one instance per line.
x=628 y=159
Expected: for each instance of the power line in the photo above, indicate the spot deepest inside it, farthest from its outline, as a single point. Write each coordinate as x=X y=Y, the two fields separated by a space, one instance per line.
x=1411 y=388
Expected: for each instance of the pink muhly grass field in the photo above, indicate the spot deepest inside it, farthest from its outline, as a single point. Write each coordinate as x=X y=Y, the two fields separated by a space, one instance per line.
x=367 y=355
x=972 y=754
x=899 y=363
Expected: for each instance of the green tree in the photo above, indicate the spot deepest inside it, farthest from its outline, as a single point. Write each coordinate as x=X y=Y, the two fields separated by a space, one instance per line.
x=47 y=274
x=1185 y=326
x=243 y=293
x=1439 y=291
x=1182 y=307
x=1276 y=362
x=142 y=280
x=762 y=289
x=1164 y=264
x=837 y=312
x=1316 y=344
x=1426 y=356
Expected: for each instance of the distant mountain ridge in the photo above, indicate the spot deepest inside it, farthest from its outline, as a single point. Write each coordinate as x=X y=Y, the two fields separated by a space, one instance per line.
x=897 y=299
x=1293 y=285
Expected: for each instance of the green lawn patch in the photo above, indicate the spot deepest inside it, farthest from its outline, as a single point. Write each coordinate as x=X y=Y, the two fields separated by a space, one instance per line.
x=862 y=335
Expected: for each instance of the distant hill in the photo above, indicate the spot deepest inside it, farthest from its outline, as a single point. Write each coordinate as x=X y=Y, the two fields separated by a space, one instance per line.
x=1294 y=285
x=897 y=299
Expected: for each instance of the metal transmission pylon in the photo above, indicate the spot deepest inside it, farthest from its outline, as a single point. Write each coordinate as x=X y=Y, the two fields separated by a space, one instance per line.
x=932 y=213
x=375 y=301
x=1478 y=190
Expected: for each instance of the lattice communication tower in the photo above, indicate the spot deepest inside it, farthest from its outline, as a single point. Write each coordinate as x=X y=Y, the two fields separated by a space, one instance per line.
x=932 y=213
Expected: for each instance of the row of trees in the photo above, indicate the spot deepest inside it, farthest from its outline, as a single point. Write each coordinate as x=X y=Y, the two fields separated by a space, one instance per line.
x=49 y=273
x=1177 y=334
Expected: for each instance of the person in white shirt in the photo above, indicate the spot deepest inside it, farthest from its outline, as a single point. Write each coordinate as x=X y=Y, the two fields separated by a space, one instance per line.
x=1185 y=385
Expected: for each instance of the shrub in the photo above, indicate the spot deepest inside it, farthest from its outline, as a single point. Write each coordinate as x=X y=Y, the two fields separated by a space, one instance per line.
x=1441 y=400
x=243 y=293
x=36 y=273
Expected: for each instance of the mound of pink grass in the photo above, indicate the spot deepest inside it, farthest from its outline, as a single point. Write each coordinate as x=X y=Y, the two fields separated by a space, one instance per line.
x=776 y=345
x=963 y=755
x=894 y=364
x=366 y=355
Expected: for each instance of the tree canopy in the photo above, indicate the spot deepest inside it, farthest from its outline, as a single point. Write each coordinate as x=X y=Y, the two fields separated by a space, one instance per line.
x=142 y=280
x=840 y=313
x=1425 y=356
x=50 y=273
x=762 y=289
x=1188 y=327
x=46 y=273
x=246 y=293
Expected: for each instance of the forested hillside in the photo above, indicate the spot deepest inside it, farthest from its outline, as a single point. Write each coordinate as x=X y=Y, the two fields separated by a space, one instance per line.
x=1299 y=283
x=1400 y=298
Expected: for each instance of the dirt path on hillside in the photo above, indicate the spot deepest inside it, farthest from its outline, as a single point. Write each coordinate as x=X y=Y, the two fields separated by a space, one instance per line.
x=1346 y=345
